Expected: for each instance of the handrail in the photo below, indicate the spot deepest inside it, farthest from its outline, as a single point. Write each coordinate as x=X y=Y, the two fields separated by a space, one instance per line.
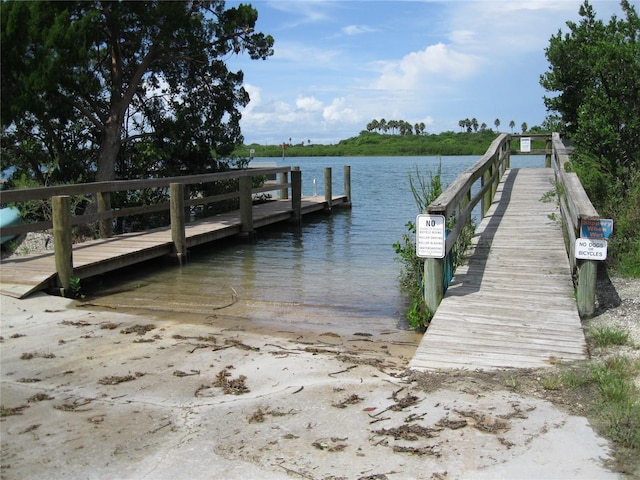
x=101 y=188
x=575 y=207
x=62 y=218
x=456 y=204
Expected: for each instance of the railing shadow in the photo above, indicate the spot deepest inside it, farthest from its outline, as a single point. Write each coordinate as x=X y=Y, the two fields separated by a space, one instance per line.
x=470 y=281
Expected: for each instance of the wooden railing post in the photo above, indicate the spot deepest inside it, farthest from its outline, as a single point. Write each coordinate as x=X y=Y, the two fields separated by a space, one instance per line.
x=547 y=157
x=62 y=241
x=246 y=204
x=487 y=198
x=284 y=179
x=177 y=213
x=296 y=194
x=433 y=283
x=347 y=183
x=104 y=205
x=328 y=195
x=586 y=288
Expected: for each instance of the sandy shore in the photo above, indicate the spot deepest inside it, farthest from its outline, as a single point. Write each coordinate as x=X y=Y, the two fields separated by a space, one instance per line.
x=101 y=394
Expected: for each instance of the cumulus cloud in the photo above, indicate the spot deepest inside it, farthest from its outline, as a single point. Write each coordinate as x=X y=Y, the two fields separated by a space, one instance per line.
x=338 y=111
x=310 y=104
x=436 y=62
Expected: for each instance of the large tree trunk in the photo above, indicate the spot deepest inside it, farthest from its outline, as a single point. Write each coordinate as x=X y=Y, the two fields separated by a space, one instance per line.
x=107 y=155
x=109 y=149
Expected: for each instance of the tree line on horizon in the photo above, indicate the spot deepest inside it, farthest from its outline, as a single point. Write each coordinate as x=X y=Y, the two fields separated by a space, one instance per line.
x=402 y=127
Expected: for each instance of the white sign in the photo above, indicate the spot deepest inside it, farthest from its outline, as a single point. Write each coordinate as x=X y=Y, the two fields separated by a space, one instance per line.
x=430 y=236
x=525 y=144
x=591 y=248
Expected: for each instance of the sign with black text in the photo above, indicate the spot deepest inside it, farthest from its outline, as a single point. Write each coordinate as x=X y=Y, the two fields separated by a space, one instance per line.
x=591 y=248
x=430 y=236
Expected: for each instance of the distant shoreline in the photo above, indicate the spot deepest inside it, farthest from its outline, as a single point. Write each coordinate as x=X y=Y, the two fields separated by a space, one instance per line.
x=368 y=144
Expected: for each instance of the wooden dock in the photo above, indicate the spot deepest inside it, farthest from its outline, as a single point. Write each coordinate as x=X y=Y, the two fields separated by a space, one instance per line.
x=512 y=305
x=21 y=276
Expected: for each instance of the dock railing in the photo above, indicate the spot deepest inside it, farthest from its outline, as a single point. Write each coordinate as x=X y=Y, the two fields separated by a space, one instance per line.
x=456 y=204
x=575 y=208
x=63 y=219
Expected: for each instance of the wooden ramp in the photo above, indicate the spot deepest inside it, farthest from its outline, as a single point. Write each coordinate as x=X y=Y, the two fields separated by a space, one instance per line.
x=512 y=305
x=21 y=276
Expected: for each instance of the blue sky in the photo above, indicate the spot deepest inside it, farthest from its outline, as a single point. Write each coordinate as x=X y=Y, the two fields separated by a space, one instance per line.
x=340 y=64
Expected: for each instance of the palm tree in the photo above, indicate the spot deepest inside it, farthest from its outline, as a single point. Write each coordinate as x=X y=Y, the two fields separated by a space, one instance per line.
x=511 y=125
x=496 y=122
x=524 y=127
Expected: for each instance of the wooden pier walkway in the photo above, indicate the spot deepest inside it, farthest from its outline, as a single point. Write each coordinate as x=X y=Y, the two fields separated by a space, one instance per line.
x=21 y=276
x=512 y=304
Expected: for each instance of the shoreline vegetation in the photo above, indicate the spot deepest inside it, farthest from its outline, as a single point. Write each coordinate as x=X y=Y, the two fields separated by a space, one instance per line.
x=382 y=145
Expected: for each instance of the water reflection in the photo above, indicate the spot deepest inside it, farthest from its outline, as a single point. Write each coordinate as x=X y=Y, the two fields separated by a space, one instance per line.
x=332 y=269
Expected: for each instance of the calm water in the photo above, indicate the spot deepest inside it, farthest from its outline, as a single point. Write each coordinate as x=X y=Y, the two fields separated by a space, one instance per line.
x=342 y=265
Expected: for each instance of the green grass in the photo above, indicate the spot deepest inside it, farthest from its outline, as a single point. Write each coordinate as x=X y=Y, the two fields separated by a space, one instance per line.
x=613 y=399
x=607 y=337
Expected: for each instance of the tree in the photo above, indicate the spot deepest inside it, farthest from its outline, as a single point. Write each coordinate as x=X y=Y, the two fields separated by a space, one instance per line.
x=512 y=125
x=524 y=127
x=115 y=73
x=596 y=70
x=496 y=122
x=594 y=76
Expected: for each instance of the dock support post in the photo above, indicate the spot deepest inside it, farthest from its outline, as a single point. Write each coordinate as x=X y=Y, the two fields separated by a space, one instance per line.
x=104 y=205
x=284 y=192
x=433 y=283
x=177 y=212
x=328 y=195
x=586 y=288
x=62 y=241
x=246 y=205
x=347 y=183
x=296 y=194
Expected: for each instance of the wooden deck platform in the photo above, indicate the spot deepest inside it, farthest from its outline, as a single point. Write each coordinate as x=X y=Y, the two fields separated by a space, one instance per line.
x=21 y=276
x=512 y=305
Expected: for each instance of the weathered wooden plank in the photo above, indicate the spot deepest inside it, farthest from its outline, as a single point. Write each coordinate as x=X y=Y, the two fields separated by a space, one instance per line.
x=512 y=304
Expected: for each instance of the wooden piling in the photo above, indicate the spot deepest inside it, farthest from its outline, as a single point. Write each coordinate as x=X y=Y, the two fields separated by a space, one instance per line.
x=586 y=288
x=284 y=179
x=347 y=183
x=433 y=283
x=246 y=204
x=177 y=213
x=62 y=241
x=296 y=194
x=327 y=188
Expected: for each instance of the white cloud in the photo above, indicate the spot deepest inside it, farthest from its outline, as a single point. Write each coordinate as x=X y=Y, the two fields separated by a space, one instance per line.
x=338 y=111
x=436 y=63
x=357 y=30
x=310 y=104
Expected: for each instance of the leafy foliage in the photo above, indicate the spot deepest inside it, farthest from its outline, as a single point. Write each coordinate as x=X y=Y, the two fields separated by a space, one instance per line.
x=95 y=90
x=376 y=144
x=411 y=277
x=594 y=74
